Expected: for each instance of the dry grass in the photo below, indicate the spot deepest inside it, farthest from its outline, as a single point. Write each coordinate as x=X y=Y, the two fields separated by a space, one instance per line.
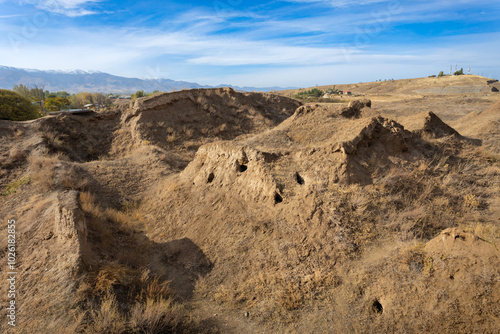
x=17 y=155
x=42 y=170
x=148 y=317
x=54 y=140
x=108 y=319
x=127 y=220
x=150 y=308
x=487 y=155
x=71 y=178
x=155 y=316
x=112 y=275
x=124 y=296
x=489 y=232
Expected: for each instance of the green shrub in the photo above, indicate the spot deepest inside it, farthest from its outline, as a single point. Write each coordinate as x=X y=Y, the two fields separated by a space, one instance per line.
x=138 y=94
x=441 y=74
x=56 y=103
x=14 y=107
x=310 y=93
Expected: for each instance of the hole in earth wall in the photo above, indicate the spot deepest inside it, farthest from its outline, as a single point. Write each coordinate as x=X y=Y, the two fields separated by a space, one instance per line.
x=211 y=177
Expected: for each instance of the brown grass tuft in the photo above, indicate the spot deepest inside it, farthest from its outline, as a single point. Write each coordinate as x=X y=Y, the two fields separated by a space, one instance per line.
x=112 y=275
x=42 y=170
x=17 y=155
x=108 y=319
x=155 y=316
x=71 y=178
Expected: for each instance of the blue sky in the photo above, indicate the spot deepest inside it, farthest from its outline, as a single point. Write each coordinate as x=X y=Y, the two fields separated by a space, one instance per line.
x=254 y=43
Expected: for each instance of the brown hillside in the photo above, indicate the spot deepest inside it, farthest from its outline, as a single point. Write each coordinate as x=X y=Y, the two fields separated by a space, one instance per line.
x=446 y=85
x=214 y=211
x=484 y=125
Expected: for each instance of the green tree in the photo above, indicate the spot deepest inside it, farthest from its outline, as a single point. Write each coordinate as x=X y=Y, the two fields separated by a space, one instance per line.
x=461 y=72
x=37 y=93
x=138 y=94
x=63 y=94
x=22 y=90
x=315 y=92
x=34 y=93
x=56 y=103
x=441 y=74
x=101 y=100
x=15 y=107
x=79 y=100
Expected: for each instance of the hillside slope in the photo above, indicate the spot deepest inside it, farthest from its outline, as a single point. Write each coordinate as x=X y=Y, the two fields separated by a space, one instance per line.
x=214 y=211
x=446 y=85
x=483 y=125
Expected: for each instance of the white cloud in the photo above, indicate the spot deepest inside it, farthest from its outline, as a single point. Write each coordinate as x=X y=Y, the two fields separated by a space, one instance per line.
x=190 y=56
x=342 y=3
x=71 y=8
x=196 y=46
x=9 y=16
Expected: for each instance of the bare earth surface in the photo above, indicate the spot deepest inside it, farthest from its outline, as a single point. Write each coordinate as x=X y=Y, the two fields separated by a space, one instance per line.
x=215 y=211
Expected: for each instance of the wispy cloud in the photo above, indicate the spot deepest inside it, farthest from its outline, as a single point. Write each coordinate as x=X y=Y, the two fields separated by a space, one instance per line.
x=342 y=3
x=262 y=45
x=71 y=8
x=9 y=16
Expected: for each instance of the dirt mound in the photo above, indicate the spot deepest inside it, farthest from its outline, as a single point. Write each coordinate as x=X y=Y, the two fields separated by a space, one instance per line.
x=460 y=245
x=282 y=197
x=356 y=108
x=193 y=117
x=428 y=124
x=79 y=137
x=347 y=151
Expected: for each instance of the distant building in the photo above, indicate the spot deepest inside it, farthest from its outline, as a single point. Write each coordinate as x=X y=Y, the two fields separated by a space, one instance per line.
x=347 y=92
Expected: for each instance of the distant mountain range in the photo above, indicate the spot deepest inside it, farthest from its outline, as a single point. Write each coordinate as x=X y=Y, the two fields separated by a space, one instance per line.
x=92 y=81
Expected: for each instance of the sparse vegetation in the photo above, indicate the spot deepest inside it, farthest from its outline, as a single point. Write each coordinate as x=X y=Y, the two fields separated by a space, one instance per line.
x=12 y=187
